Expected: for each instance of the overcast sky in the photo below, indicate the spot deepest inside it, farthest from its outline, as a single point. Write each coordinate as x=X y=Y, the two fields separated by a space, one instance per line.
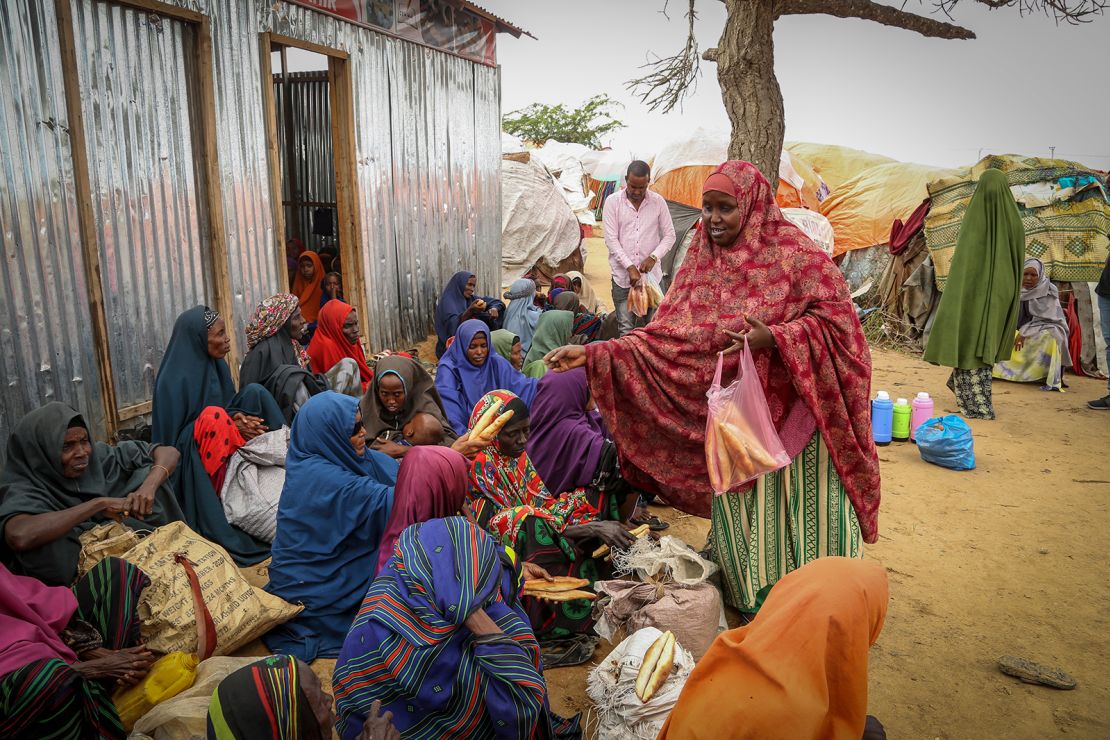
x=1022 y=86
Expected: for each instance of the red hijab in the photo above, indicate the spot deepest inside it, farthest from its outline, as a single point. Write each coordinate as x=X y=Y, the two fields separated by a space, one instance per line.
x=650 y=385
x=431 y=484
x=309 y=291
x=329 y=346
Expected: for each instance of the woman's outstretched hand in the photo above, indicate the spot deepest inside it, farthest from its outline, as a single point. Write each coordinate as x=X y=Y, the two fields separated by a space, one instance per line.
x=759 y=336
x=566 y=358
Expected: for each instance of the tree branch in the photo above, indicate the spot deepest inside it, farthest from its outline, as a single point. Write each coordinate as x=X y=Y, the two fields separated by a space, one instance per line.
x=872 y=11
x=670 y=79
x=1067 y=11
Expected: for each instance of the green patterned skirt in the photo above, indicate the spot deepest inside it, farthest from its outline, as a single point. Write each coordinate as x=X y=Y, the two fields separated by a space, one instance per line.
x=789 y=518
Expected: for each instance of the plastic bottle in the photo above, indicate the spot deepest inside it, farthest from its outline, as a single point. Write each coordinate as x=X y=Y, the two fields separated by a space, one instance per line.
x=882 y=418
x=900 y=428
x=922 y=412
x=169 y=676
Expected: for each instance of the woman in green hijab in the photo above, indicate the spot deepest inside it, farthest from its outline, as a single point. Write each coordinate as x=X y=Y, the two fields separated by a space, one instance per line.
x=57 y=483
x=553 y=331
x=508 y=345
x=978 y=311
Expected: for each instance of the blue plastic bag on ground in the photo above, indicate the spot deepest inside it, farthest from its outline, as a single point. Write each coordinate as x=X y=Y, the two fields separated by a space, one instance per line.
x=946 y=441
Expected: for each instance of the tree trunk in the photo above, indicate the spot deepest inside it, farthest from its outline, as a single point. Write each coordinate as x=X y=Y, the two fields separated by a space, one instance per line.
x=749 y=88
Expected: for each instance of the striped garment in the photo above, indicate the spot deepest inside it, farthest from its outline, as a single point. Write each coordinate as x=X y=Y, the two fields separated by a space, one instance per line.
x=790 y=517
x=48 y=698
x=409 y=648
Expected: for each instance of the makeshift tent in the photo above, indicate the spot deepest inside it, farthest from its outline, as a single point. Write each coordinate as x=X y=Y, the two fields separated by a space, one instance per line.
x=564 y=162
x=538 y=227
x=863 y=209
x=682 y=165
x=815 y=226
x=1063 y=206
x=836 y=164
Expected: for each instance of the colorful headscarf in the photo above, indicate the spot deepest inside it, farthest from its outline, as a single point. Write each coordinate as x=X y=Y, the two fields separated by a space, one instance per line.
x=309 y=291
x=263 y=699
x=409 y=647
x=329 y=345
x=818 y=376
x=217 y=440
x=271 y=316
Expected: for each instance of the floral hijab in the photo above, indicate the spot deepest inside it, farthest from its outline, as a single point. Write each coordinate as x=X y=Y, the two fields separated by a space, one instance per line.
x=270 y=317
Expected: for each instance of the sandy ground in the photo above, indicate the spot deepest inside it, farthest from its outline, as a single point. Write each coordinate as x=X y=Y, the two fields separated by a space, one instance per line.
x=1008 y=559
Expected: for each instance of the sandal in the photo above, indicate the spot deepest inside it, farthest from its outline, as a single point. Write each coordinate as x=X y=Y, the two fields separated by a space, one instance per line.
x=570 y=651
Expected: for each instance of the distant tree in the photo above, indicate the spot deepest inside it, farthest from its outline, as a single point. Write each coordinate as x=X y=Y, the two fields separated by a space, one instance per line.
x=585 y=125
x=745 y=57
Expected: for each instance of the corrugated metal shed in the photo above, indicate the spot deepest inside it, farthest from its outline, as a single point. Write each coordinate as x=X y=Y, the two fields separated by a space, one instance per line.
x=427 y=158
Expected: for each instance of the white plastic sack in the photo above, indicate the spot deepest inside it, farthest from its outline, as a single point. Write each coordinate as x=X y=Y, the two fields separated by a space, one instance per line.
x=814 y=225
x=252 y=486
x=669 y=560
x=612 y=688
x=536 y=222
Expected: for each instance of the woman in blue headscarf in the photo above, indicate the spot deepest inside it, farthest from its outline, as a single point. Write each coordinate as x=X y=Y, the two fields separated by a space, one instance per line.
x=192 y=378
x=333 y=510
x=523 y=314
x=470 y=369
x=441 y=640
x=458 y=304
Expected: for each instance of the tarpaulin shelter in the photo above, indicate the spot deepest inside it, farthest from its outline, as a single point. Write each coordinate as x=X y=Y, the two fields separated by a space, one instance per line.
x=1064 y=210
x=681 y=166
x=863 y=209
x=538 y=227
x=564 y=161
x=835 y=164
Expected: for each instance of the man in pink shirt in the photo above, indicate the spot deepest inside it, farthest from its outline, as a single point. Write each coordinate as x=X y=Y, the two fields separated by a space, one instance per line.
x=638 y=233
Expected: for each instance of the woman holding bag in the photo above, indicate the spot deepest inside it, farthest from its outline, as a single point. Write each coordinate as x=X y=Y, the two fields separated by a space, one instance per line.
x=749 y=273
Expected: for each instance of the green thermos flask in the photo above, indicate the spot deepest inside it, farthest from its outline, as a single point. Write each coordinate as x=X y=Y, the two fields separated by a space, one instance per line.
x=900 y=429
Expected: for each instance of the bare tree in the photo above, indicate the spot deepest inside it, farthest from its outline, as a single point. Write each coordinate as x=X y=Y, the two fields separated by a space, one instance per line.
x=745 y=57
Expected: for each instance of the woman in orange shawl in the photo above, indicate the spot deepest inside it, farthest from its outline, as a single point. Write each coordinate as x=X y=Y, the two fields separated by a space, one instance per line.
x=336 y=339
x=749 y=267
x=309 y=285
x=799 y=670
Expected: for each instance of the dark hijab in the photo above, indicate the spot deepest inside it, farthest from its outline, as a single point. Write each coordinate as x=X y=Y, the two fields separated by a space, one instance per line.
x=189 y=379
x=452 y=304
x=421 y=397
x=566 y=441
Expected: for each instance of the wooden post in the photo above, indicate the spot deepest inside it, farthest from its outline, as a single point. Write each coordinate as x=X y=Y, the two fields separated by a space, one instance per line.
x=290 y=146
x=273 y=154
x=90 y=244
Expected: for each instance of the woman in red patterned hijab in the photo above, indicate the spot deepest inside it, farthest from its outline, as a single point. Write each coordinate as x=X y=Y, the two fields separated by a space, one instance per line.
x=751 y=271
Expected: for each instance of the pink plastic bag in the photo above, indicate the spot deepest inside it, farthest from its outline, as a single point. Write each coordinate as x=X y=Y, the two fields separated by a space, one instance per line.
x=741 y=443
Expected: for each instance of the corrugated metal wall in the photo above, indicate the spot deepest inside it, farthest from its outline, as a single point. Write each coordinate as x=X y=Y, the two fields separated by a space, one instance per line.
x=138 y=101
x=427 y=145
x=46 y=351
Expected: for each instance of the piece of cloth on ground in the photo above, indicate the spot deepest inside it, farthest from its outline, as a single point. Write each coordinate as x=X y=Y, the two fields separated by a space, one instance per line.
x=822 y=363
x=409 y=647
x=32 y=483
x=331 y=517
x=797 y=514
x=802 y=661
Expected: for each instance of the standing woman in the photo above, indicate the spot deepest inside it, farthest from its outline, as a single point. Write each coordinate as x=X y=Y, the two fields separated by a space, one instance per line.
x=978 y=311
x=458 y=304
x=753 y=272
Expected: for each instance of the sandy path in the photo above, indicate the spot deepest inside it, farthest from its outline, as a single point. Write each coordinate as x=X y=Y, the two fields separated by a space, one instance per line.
x=1010 y=558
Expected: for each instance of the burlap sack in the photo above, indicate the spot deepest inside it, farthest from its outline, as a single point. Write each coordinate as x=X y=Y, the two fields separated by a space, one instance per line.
x=103 y=541
x=693 y=613
x=241 y=612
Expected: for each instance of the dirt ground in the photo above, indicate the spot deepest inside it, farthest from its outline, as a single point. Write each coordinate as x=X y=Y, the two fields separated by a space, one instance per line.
x=1007 y=559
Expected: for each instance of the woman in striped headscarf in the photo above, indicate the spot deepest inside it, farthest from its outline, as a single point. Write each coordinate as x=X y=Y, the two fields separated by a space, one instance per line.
x=441 y=640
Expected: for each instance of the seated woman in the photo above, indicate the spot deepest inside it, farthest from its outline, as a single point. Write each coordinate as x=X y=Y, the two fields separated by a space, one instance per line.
x=469 y=370
x=802 y=661
x=523 y=314
x=277 y=697
x=275 y=358
x=57 y=483
x=556 y=329
x=1041 y=341
x=509 y=346
x=401 y=390
x=558 y=533
x=580 y=285
x=458 y=304
x=431 y=485
x=335 y=346
x=331 y=517
x=586 y=324
x=441 y=640
x=308 y=286
x=63 y=651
